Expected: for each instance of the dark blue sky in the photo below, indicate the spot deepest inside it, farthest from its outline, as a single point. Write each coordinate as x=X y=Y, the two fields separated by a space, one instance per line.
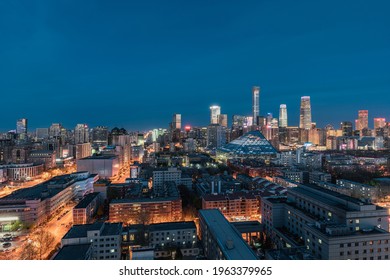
x=135 y=63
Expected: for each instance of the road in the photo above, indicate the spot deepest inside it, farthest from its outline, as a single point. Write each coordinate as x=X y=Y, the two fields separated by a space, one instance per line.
x=58 y=226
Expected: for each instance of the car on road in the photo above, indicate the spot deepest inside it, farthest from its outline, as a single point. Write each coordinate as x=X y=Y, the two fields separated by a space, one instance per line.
x=7 y=245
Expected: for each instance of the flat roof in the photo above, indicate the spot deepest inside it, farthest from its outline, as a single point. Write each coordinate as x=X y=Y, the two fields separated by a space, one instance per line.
x=224 y=233
x=73 y=252
x=318 y=197
x=79 y=231
x=37 y=191
x=248 y=226
x=106 y=229
x=86 y=200
x=172 y=226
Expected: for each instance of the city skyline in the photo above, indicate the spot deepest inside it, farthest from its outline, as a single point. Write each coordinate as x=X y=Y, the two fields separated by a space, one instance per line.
x=105 y=66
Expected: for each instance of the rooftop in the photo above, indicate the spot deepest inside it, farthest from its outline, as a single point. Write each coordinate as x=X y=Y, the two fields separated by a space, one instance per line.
x=248 y=226
x=86 y=200
x=106 y=229
x=172 y=226
x=73 y=252
x=252 y=143
x=228 y=237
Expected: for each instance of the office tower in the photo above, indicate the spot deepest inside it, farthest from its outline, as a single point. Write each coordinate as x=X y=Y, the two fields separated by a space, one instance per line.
x=269 y=118
x=176 y=121
x=81 y=134
x=55 y=130
x=41 y=133
x=379 y=123
x=249 y=121
x=274 y=123
x=214 y=112
x=21 y=129
x=362 y=121
x=222 y=120
x=305 y=114
x=255 y=103
x=100 y=136
x=283 y=115
x=346 y=128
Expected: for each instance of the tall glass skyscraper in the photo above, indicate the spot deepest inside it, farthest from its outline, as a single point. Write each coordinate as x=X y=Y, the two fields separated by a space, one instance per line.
x=305 y=114
x=255 y=103
x=283 y=115
x=21 y=128
x=176 y=121
x=214 y=112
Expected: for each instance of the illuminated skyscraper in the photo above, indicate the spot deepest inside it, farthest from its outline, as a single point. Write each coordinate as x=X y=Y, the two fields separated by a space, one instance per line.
x=362 y=121
x=283 y=115
x=379 y=123
x=55 y=130
x=81 y=134
x=255 y=103
x=214 y=112
x=176 y=121
x=100 y=136
x=21 y=129
x=305 y=114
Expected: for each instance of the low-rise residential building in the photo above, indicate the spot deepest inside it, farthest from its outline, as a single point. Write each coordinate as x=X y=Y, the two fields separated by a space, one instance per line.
x=105 y=239
x=235 y=206
x=160 y=204
x=166 y=238
x=360 y=190
x=84 y=211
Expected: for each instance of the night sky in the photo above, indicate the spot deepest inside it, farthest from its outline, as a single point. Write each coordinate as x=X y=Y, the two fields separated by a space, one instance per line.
x=134 y=63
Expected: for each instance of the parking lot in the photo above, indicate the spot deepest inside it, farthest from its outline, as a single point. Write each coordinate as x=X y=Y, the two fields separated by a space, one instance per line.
x=9 y=242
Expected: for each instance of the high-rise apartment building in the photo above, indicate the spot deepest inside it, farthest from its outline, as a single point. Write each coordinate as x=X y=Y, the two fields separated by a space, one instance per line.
x=81 y=134
x=305 y=113
x=283 y=115
x=215 y=111
x=100 y=136
x=255 y=103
